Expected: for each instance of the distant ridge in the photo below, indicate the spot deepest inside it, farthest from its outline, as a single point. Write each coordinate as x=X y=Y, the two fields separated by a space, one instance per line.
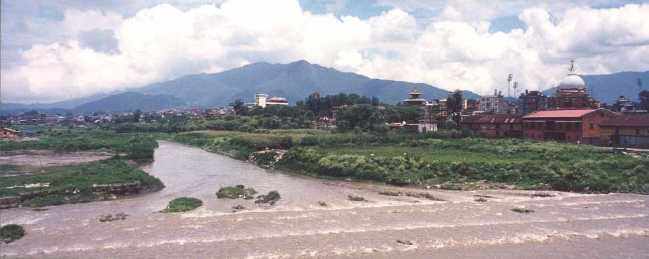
x=294 y=81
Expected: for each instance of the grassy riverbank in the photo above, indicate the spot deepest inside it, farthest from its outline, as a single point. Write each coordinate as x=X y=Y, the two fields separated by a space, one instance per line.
x=443 y=160
x=98 y=180
x=106 y=179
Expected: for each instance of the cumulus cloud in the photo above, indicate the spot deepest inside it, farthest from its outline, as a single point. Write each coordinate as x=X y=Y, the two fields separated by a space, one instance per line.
x=454 y=50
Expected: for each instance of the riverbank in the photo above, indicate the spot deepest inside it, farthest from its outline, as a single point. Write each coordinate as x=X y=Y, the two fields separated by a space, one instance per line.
x=384 y=225
x=449 y=163
x=72 y=166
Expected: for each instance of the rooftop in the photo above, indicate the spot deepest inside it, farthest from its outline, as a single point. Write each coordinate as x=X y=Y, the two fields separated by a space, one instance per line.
x=629 y=120
x=559 y=114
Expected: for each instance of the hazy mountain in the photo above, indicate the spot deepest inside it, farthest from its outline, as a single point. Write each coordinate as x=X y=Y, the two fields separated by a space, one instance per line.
x=294 y=81
x=130 y=101
x=607 y=88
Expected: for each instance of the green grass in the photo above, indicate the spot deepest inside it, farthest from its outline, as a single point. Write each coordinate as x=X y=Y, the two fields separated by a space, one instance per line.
x=235 y=192
x=11 y=232
x=132 y=145
x=182 y=204
x=69 y=184
x=448 y=160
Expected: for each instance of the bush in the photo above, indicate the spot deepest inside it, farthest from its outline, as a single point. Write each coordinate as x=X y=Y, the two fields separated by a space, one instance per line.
x=270 y=198
x=235 y=192
x=183 y=204
x=11 y=232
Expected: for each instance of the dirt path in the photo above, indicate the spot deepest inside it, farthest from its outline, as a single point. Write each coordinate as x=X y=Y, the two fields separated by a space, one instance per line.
x=564 y=225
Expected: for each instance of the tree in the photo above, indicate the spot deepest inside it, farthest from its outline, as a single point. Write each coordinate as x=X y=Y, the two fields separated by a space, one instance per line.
x=239 y=107
x=362 y=116
x=136 y=115
x=644 y=99
x=454 y=106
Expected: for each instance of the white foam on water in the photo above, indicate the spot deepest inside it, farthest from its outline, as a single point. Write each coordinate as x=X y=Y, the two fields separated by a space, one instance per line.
x=514 y=239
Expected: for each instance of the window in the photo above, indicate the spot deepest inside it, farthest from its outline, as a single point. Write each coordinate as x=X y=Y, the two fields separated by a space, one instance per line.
x=637 y=131
x=592 y=126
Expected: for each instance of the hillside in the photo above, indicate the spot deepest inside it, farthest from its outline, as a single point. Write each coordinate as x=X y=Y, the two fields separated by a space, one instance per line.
x=294 y=81
x=130 y=101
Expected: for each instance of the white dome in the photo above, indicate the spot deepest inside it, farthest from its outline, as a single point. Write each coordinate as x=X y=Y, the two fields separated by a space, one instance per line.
x=572 y=81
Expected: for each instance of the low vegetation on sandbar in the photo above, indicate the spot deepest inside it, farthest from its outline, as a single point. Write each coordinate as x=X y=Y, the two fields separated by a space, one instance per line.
x=11 y=232
x=89 y=181
x=236 y=192
x=182 y=204
x=98 y=180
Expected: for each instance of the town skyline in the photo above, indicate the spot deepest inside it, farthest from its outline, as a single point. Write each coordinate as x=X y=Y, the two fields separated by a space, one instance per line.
x=456 y=45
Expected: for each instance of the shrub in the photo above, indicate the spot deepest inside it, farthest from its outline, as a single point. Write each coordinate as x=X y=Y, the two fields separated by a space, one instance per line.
x=235 y=192
x=270 y=198
x=11 y=232
x=183 y=204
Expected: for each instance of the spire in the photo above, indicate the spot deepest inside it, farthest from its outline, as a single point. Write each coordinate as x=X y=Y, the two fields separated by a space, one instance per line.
x=572 y=66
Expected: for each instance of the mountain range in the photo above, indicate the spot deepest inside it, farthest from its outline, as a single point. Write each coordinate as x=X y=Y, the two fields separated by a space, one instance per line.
x=295 y=81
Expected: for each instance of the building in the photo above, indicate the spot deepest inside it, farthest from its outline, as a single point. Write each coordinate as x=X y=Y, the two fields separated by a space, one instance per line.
x=575 y=126
x=276 y=101
x=262 y=100
x=426 y=122
x=531 y=101
x=7 y=133
x=493 y=103
x=470 y=105
x=572 y=93
x=626 y=130
x=494 y=125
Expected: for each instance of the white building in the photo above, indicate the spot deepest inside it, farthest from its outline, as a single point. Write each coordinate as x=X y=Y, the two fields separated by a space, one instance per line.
x=262 y=100
x=493 y=103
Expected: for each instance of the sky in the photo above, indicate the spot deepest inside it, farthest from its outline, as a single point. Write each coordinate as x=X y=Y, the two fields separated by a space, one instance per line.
x=59 y=50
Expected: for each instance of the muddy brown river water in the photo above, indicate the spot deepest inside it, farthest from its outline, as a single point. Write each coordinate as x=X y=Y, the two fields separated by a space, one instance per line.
x=566 y=225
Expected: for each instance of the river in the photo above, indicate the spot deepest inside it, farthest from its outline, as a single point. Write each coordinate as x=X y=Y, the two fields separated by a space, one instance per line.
x=565 y=225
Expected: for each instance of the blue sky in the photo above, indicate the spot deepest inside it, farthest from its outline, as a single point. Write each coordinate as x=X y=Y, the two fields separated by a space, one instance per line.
x=51 y=49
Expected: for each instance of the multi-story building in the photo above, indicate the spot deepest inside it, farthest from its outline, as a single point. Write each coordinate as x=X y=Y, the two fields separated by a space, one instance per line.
x=493 y=103
x=531 y=101
x=426 y=123
x=262 y=100
x=626 y=130
x=494 y=125
x=576 y=126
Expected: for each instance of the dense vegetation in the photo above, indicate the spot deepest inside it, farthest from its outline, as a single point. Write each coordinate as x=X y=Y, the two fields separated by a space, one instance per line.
x=71 y=184
x=11 y=232
x=449 y=159
x=132 y=146
x=182 y=204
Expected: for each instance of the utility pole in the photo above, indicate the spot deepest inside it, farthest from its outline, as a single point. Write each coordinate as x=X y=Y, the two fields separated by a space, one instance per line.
x=509 y=84
x=515 y=86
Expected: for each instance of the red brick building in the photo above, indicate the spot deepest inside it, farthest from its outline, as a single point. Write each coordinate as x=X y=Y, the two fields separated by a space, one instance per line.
x=626 y=130
x=494 y=125
x=575 y=126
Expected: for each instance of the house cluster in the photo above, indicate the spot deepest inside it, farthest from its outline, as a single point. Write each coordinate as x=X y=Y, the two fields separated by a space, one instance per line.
x=569 y=115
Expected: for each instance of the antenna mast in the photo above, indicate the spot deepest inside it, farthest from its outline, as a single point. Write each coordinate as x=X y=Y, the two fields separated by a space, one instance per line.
x=515 y=86
x=509 y=84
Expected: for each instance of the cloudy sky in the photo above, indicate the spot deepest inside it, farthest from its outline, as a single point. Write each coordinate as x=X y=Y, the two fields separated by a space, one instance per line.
x=57 y=50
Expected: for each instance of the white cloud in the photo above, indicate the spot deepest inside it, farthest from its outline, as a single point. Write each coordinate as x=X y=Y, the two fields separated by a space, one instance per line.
x=454 y=50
